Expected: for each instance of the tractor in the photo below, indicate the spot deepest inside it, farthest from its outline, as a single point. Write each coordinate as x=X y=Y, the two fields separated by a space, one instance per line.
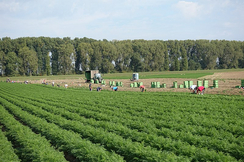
x=93 y=75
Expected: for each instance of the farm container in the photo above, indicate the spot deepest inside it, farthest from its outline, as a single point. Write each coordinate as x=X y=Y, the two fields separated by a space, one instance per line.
x=140 y=83
x=135 y=76
x=120 y=84
x=103 y=82
x=215 y=84
x=175 y=84
x=205 y=83
x=131 y=85
x=96 y=81
x=163 y=85
x=92 y=81
x=199 y=83
x=181 y=86
x=153 y=85
x=135 y=84
x=157 y=84
x=242 y=83
x=186 y=85
x=190 y=83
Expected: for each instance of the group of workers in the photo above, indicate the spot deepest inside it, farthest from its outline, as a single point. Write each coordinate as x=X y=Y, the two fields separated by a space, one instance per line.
x=114 y=88
x=98 y=88
x=193 y=88
x=197 y=90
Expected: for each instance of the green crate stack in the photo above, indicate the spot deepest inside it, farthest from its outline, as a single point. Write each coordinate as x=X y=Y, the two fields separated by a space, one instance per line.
x=121 y=84
x=199 y=83
x=186 y=85
x=135 y=84
x=131 y=85
x=215 y=84
x=175 y=84
x=140 y=83
x=157 y=84
x=112 y=83
x=242 y=83
x=103 y=82
x=163 y=85
x=205 y=83
x=190 y=83
x=153 y=84
x=181 y=86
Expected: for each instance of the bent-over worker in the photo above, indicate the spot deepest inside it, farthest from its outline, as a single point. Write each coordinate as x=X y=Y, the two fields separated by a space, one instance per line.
x=142 y=88
x=99 y=88
x=114 y=88
x=201 y=90
x=193 y=88
x=90 y=87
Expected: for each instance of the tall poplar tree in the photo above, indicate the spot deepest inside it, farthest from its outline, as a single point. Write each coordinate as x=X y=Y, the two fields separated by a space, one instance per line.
x=28 y=61
x=66 y=56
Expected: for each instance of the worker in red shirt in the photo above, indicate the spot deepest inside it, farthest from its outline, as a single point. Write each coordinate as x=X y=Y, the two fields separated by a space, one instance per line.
x=142 y=88
x=200 y=89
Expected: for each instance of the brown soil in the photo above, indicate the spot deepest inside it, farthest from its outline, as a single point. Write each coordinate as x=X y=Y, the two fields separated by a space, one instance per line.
x=227 y=82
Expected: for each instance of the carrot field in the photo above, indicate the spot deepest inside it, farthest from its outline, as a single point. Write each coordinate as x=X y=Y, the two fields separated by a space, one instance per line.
x=44 y=123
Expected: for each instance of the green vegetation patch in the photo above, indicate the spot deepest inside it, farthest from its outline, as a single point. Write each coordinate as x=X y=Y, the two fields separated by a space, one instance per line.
x=151 y=126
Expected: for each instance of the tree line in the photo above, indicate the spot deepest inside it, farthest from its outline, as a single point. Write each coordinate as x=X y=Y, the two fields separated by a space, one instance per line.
x=45 y=55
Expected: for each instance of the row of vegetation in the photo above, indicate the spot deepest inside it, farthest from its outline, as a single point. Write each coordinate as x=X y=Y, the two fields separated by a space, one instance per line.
x=45 y=56
x=124 y=126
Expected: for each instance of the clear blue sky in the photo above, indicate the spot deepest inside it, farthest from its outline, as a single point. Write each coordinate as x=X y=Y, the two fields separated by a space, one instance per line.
x=123 y=19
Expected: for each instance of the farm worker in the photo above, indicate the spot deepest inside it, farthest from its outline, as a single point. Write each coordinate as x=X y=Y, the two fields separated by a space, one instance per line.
x=114 y=88
x=90 y=87
x=66 y=85
x=99 y=88
x=193 y=88
x=53 y=84
x=142 y=88
x=201 y=89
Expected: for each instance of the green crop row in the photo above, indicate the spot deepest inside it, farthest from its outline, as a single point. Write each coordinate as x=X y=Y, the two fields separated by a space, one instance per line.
x=154 y=141
x=66 y=141
x=210 y=129
x=198 y=122
x=164 y=126
x=6 y=150
x=235 y=126
x=31 y=146
x=151 y=139
x=132 y=151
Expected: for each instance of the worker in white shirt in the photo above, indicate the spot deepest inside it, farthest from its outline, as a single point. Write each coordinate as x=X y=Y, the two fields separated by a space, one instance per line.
x=193 y=88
